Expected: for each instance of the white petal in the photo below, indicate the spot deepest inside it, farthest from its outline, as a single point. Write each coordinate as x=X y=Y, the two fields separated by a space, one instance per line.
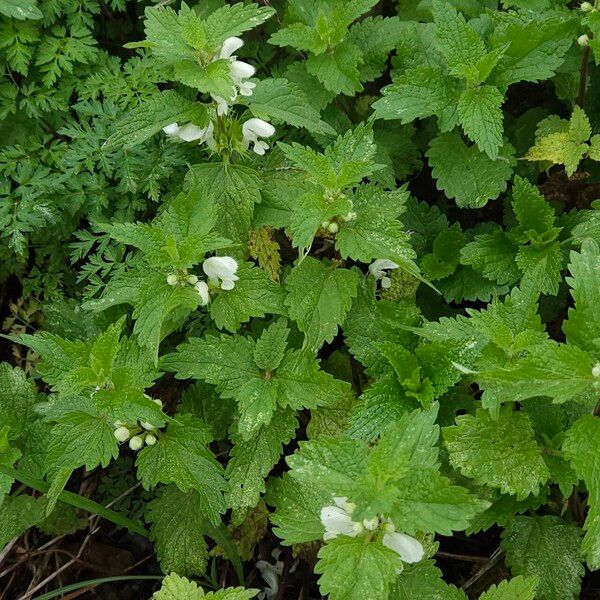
x=409 y=549
x=230 y=45
x=221 y=267
x=336 y=522
x=340 y=501
x=386 y=283
x=241 y=70
x=260 y=148
x=191 y=132
x=247 y=87
x=228 y=284
x=171 y=129
x=222 y=106
x=258 y=127
x=377 y=267
x=202 y=288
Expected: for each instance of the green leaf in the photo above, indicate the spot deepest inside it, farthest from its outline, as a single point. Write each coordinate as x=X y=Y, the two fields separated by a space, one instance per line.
x=177 y=530
x=480 y=113
x=234 y=190
x=252 y=460
x=419 y=93
x=424 y=581
x=151 y=115
x=582 y=327
x=298 y=505
x=270 y=347
x=17 y=515
x=319 y=296
x=376 y=232
x=582 y=448
x=282 y=101
x=467 y=174
x=255 y=294
x=549 y=549
x=354 y=569
x=501 y=453
x=518 y=588
x=566 y=147
x=338 y=69
x=445 y=254
x=459 y=43
x=181 y=457
x=233 y=19
x=20 y=9
x=175 y=587
x=18 y=395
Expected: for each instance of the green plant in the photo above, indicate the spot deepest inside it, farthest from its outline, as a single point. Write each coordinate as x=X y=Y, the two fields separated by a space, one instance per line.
x=341 y=258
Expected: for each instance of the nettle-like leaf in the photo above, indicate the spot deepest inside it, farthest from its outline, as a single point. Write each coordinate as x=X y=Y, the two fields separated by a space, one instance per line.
x=549 y=549
x=181 y=457
x=518 y=588
x=566 y=143
x=501 y=453
x=175 y=587
x=231 y=363
x=340 y=58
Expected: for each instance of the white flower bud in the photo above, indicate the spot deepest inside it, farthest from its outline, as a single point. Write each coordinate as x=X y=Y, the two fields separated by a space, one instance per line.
x=333 y=228
x=596 y=370
x=351 y=216
x=172 y=279
x=325 y=224
x=136 y=442
x=192 y=279
x=156 y=401
x=147 y=426
x=254 y=128
x=371 y=524
x=150 y=439
x=191 y=132
x=121 y=434
x=583 y=40
x=586 y=6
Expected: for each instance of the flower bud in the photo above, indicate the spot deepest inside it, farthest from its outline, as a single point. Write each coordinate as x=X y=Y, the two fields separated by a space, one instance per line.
x=121 y=434
x=147 y=426
x=596 y=370
x=583 y=40
x=156 y=401
x=172 y=279
x=371 y=524
x=150 y=439
x=333 y=228
x=586 y=7
x=325 y=224
x=351 y=216
x=192 y=279
x=136 y=442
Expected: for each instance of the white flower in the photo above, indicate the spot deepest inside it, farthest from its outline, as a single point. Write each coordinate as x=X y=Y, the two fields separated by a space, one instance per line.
x=230 y=45
x=406 y=547
x=172 y=279
x=222 y=106
x=378 y=269
x=150 y=439
x=271 y=574
x=253 y=129
x=221 y=268
x=190 y=132
x=121 y=434
x=202 y=288
x=337 y=519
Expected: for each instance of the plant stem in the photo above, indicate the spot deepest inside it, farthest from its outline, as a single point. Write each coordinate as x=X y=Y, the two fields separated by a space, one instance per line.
x=77 y=501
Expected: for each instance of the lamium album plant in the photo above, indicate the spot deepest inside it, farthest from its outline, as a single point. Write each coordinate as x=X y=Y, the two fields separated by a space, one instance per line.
x=300 y=299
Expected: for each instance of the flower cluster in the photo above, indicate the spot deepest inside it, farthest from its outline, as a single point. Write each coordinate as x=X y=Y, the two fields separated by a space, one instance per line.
x=379 y=268
x=337 y=520
x=221 y=272
x=139 y=434
x=252 y=130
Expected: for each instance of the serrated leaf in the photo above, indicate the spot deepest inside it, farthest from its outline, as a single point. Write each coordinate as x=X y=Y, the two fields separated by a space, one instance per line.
x=20 y=9
x=424 y=581
x=352 y=569
x=549 y=549
x=467 y=174
x=254 y=295
x=181 y=456
x=319 y=296
x=501 y=453
x=177 y=526
x=17 y=515
x=151 y=115
x=518 y=588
